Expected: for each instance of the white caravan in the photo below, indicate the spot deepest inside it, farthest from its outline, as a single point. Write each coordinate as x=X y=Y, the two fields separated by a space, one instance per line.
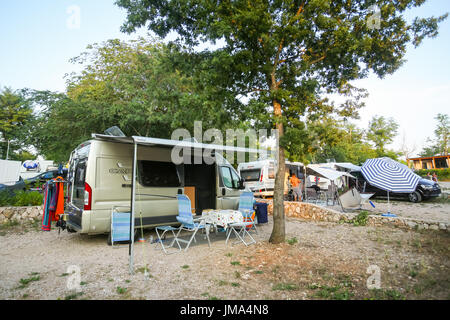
x=9 y=172
x=259 y=176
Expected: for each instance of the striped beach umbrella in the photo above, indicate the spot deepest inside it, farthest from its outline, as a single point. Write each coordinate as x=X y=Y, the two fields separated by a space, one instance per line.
x=390 y=175
x=30 y=164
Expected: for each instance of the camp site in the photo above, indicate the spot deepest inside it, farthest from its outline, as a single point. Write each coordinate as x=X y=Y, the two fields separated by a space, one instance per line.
x=200 y=151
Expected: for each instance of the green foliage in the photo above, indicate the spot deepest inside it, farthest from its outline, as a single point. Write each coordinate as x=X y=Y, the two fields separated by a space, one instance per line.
x=15 y=113
x=441 y=143
x=381 y=132
x=21 y=198
x=73 y=295
x=361 y=219
x=285 y=287
x=34 y=276
x=287 y=55
x=350 y=146
x=143 y=86
x=292 y=241
x=333 y=292
x=121 y=290
x=385 y=294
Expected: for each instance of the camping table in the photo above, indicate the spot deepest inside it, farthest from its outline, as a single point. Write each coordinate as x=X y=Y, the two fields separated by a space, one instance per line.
x=222 y=218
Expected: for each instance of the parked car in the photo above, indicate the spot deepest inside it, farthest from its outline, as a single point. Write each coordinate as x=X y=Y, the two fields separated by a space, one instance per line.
x=38 y=181
x=425 y=189
x=19 y=185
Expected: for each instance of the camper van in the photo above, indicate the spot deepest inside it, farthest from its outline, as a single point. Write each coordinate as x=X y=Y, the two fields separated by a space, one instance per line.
x=100 y=178
x=259 y=176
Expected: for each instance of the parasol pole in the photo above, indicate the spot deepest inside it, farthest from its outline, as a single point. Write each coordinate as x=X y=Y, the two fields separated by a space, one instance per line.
x=389 y=204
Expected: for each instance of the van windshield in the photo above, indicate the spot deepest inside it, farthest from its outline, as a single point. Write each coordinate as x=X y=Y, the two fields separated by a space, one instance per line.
x=250 y=175
x=158 y=174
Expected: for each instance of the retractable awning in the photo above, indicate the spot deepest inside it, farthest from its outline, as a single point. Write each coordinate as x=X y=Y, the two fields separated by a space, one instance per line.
x=348 y=166
x=326 y=173
x=174 y=143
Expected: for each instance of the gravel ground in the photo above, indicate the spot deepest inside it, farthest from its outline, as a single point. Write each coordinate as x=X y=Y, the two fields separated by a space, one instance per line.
x=318 y=261
x=430 y=210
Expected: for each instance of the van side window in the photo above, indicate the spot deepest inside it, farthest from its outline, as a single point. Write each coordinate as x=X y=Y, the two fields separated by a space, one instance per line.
x=226 y=177
x=271 y=173
x=80 y=174
x=229 y=178
x=251 y=175
x=157 y=174
x=79 y=179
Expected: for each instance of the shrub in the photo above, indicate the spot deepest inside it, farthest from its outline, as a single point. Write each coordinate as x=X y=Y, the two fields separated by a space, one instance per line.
x=360 y=219
x=442 y=174
x=21 y=198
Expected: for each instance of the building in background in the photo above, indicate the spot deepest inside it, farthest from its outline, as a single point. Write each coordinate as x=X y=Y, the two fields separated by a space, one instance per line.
x=435 y=162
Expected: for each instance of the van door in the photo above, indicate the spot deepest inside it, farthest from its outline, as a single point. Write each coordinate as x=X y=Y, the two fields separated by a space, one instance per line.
x=228 y=192
x=76 y=206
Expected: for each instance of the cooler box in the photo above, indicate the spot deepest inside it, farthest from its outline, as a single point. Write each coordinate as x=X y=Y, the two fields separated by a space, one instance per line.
x=261 y=212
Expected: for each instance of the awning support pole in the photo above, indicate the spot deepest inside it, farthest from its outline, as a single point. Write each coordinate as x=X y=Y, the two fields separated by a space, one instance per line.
x=133 y=204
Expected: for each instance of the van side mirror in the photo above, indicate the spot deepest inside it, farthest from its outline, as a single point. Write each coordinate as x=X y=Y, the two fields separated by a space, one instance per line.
x=223 y=191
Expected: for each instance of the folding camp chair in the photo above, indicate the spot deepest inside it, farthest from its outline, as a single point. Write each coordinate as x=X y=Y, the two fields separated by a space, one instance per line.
x=120 y=225
x=311 y=195
x=241 y=230
x=161 y=238
x=188 y=223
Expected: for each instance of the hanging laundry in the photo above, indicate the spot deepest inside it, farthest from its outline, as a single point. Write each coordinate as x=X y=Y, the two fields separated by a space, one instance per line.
x=53 y=202
x=46 y=216
x=60 y=205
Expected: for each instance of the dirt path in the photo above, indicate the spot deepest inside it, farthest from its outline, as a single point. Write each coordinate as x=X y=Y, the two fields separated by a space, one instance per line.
x=318 y=261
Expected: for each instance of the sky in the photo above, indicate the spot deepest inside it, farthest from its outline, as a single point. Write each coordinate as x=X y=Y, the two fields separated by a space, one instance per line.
x=39 y=37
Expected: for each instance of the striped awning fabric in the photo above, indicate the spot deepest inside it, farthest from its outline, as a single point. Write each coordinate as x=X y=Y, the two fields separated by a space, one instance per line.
x=390 y=175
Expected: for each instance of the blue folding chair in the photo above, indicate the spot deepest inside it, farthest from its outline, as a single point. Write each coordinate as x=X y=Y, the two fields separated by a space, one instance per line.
x=120 y=226
x=188 y=223
x=241 y=230
x=161 y=238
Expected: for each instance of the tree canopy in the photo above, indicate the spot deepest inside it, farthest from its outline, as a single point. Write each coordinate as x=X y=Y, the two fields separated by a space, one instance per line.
x=382 y=132
x=143 y=86
x=440 y=144
x=15 y=113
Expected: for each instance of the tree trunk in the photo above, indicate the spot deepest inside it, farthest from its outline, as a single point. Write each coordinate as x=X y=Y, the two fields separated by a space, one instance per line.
x=278 y=232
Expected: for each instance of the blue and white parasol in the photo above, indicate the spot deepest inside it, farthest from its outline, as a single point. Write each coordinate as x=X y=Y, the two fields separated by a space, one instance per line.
x=390 y=175
x=31 y=164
